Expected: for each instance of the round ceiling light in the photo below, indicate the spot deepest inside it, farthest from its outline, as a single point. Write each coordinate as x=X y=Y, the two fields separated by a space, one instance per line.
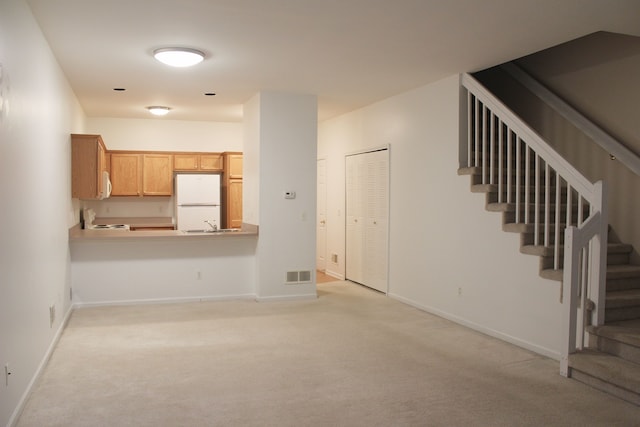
x=158 y=110
x=178 y=56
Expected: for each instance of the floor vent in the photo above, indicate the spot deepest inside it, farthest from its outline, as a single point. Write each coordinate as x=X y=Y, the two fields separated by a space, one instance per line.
x=295 y=277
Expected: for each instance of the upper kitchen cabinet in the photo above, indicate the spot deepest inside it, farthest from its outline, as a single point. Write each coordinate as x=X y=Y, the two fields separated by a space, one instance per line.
x=141 y=174
x=126 y=174
x=157 y=177
x=89 y=167
x=233 y=165
x=210 y=162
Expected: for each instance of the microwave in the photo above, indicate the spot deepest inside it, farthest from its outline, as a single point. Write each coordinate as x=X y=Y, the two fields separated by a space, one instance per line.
x=105 y=192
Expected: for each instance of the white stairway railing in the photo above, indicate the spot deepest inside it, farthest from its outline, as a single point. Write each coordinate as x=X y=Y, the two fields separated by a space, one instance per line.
x=551 y=201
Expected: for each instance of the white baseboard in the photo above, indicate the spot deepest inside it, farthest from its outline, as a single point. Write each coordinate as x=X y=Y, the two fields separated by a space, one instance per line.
x=23 y=399
x=288 y=297
x=552 y=354
x=334 y=274
x=163 y=300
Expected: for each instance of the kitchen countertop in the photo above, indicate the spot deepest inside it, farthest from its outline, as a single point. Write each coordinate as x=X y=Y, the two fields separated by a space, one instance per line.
x=78 y=234
x=137 y=221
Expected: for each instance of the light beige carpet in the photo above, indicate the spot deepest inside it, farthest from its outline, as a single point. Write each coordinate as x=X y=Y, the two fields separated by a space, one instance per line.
x=351 y=358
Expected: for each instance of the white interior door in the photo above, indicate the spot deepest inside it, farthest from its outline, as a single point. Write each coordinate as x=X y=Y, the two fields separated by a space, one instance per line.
x=367 y=226
x=321 y=227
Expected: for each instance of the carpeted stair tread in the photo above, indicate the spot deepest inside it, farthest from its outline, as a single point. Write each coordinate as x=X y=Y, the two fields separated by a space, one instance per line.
x=623 y=271
x=551 y=274
x=624 y=334
x=620 y=299
x=513 y=227
x=469 y=171
x=607 y=368
x=619 y=248
x=541 y=250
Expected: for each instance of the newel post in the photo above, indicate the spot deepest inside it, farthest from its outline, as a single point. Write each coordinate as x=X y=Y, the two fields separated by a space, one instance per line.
x=599 y=253
x=570 y=285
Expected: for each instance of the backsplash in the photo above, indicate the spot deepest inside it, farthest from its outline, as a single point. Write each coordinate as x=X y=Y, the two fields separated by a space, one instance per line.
x=132 y=207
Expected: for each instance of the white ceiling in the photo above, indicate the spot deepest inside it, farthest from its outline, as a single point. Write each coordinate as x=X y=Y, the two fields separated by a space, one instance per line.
x=350 y=53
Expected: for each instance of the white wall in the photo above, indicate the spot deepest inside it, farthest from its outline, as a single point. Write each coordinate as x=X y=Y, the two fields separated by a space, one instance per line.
x=447 y=254
x=166 y=135
x=39 y=111
x=109 y=272
x=284 y=145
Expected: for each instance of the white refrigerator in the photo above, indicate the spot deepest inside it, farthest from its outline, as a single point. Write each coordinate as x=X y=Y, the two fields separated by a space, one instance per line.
x=197 y=201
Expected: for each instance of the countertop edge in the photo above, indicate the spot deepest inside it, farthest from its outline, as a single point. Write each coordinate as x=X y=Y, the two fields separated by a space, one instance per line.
x=76 y=234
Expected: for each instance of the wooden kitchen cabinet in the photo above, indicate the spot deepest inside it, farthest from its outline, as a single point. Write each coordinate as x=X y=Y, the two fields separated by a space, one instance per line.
x=232 y=190
x=126 y=174
x=234 y=204
x=89 y=161
x=141 y=174
x=157 y=176
x=210 y=162
x=186 y=162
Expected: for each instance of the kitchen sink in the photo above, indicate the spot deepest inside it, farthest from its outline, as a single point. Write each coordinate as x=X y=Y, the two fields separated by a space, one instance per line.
x=222 y=230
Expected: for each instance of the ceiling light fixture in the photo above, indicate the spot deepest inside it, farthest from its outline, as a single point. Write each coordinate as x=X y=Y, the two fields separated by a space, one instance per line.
x=178 y=56
x=158 y=110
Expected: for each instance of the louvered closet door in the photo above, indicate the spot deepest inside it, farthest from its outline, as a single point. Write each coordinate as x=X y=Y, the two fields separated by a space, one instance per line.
x=367 y=234
x=355 y=219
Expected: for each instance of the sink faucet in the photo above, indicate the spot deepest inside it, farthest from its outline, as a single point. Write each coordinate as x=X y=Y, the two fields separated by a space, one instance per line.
x=214 y=227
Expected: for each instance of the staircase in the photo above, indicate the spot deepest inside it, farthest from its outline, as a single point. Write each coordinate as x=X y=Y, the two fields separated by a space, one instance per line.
x=610 y=357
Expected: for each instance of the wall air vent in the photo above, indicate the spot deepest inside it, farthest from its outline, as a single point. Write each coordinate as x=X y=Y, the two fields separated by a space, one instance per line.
x=304 y=276
x=296 y=277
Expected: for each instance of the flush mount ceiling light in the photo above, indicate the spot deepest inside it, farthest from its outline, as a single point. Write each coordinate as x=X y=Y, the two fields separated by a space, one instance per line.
x=178 y=56
x=158 y=110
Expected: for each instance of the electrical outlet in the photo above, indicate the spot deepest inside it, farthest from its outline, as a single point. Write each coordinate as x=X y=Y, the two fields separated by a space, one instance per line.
x=199 y=275
x=459 y=292
x=7 y=372
x=52 y=315
x=70 y=294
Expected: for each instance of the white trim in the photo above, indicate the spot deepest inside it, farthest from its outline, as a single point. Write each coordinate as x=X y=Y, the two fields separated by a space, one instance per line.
x=36 y=376
x=164 y=300
x=476 y=327
x=334 y=274
x=300 y=297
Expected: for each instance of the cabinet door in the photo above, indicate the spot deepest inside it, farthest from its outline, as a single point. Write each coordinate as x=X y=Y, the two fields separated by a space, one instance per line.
x=87 y=163
x=157 y=175
x=234 y=166
x=211 y=162
x=185 y=162
x=234 y=204
x=125 y=174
